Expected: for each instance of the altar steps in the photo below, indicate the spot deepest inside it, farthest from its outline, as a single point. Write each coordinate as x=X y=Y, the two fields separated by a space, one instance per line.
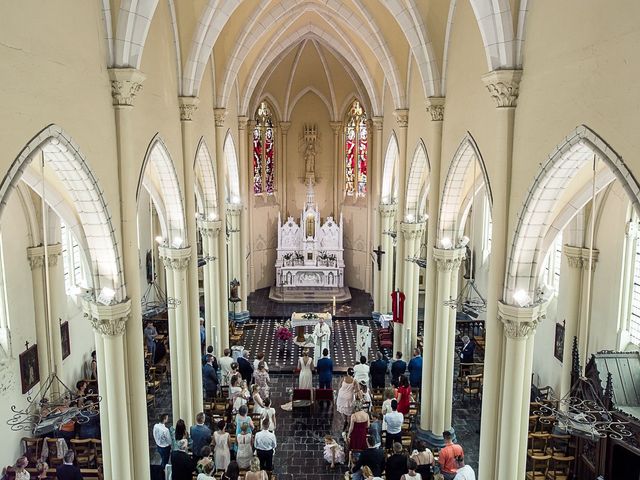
x=309 y=294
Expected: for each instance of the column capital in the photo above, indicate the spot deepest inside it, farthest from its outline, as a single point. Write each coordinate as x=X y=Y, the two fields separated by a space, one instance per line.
x=175 y=258
x=402 y=117
x=584 y=251
x=503 y=86
x=435 y=108
x=388 y=209
x=188 y=106
x=336 y=127
x=448 y=259
x=220 y=115
x=377 y=122
x=108 y=320
x=284 y=127
x=126 y=83
x=411 y=231
x=210 y=228
x=574 y=255
x=521 y=322
x=35 y=255
x=243 y=120
x=234 y=209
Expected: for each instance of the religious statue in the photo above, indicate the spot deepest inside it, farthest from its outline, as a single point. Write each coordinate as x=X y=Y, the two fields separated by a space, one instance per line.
x=309 y=139
x=321 y=335
x=233 y=294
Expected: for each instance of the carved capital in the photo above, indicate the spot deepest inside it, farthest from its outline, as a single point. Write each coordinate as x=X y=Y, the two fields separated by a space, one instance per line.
x=574 y=256
x=585 y=258
x=36 y=256
x=210 y=228
x=243 y=120
x=284 y=127
x=503 y=86
x=411 y=231
x=388 y=209
x=188 y=106
x=377 y=122
x=435 y=108
x=402 y=117
x=448 y=260
x=220 y=115
x=234 y=209
x=521 y=322
x=108 y=320
x=175 y=258
x=126 y=83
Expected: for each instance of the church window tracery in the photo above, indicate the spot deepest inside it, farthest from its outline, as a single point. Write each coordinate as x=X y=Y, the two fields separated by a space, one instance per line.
x=356 y=151
x=264 y=160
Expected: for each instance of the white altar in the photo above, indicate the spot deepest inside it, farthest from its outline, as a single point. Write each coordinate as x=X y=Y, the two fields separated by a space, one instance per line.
x=310 y=254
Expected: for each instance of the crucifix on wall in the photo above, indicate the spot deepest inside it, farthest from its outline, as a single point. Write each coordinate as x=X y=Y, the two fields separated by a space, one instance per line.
x=379 y=252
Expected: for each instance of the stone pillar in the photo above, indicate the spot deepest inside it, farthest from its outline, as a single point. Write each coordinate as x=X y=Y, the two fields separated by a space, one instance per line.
x=176 y=263
x=374 y=195
x=109 y=323
x=411 y=236
x=234 y=217
x=402 y=119
x=503 y=86
x=188 y=105
x=435 y=107
x=440 y=390
x=337 y=169
x=223 y=285
x=584 y=322
x=57 y=304
x=282 y=170
x=244 y=225
x=126 y=83
x=387 y=224
x=519 y=325
x=35 y=256
x=210 y=232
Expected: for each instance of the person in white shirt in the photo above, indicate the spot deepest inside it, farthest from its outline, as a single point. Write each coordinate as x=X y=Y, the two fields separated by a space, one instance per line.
x=394 y=421
x=465 y=472
x=225 y=367
x=265 y=444
x=260 y=358
x=162 y=437
x=361 y=371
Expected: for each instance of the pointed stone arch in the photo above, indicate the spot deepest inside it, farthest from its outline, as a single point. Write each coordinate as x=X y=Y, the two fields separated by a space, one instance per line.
x=417 y=180
x=389 y=187
x=232 y=182
x=206 y=182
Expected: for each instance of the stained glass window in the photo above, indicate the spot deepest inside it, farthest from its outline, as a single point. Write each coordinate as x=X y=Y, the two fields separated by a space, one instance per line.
x=264 y=160
x=356 y=151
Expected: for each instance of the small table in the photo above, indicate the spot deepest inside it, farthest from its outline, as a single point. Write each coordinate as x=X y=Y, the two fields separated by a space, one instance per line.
x=299 y=322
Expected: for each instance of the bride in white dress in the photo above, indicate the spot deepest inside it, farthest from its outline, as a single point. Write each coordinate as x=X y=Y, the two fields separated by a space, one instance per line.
x=304 y=364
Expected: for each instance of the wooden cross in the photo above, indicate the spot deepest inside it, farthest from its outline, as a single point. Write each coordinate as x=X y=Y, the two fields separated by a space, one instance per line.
x=379 y=252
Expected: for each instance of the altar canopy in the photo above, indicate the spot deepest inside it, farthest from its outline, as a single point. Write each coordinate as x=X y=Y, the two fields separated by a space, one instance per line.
x=310 y=253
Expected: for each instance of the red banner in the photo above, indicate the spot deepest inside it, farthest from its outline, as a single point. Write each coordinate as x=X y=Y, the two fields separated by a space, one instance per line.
x=397 y=306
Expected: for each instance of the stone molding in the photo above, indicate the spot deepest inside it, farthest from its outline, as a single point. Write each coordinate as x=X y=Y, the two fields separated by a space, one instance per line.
x=448 y=259
x=188 y=106
x=175 y=258
x=284 y=127
x=503 y=86
x=411 y=231
x=402 y=117
x=108 y=320
x=388 y=209
x=210 y=228
x=585 y=258
x=377 y=122
x=578 y=257
x=521 y=322
x=234 y=209
x=243 y=121
x=435 y=108
x=126 y=83
x=336 y=127
x=220 y=115
x=35 y=255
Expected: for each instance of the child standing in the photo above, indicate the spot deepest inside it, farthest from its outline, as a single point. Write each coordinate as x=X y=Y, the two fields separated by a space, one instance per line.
x=333 y=453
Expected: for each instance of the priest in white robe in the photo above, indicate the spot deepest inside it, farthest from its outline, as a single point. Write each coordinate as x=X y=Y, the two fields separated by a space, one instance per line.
x=321 y=336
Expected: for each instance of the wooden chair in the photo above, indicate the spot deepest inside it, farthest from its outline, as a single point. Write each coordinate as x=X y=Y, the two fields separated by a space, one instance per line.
x=55 y=457
x=151 y=400
x=559 y=468
x=323 y=395
x=558 y=445
x=90 y=473
x=85 y=454
x=32 y=449
x=96 y=443
x=545 y=424
x=302 y=398
x=533 y=423
x=538 y=465
x=537 y=443
x=473 y=388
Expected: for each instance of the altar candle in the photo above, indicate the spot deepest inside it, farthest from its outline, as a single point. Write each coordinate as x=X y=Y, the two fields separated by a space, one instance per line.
x=334 y=304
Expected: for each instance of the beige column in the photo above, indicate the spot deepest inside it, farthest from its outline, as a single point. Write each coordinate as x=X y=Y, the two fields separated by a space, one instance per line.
x=282 y=170
x=210 y=232
x=35 y=256
x=104 y=410
x=57 y=304
x=176 y=262
x=234 y=217
x=411 y=236
x=375 y=181
x=188 y=105
x=245 y=228
x=402 y=119
x=584 y=322
x=503 y=86
x=439 y=391
x=251 y=202
x=519 y=324
x=387 y=224
x=126 y=83
x=435 y=107
x=337 y=169
x=110 y=322
x=223 y=284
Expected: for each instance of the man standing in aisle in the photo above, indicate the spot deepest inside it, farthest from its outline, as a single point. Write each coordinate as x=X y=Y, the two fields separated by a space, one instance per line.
x=162 y=437
x=225 y=367
x=415 y=369
x=325 y=370
x=321 y=335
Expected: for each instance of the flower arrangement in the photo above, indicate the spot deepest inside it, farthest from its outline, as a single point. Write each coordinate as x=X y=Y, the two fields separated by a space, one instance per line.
x=310 y=316
x=283 y=333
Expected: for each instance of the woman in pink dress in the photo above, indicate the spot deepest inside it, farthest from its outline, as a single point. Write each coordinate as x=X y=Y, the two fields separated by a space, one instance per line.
x=344 y=401
x=261 y=378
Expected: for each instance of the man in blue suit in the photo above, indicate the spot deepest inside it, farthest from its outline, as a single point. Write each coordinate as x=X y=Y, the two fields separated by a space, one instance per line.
x=415 y=369
x=397 y=369
x=325 y=370
x=200 y=435
x=209 y=378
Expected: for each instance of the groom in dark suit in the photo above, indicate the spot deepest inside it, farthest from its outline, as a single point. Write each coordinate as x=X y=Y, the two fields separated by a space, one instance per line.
x=325 y=370
x=245 y=367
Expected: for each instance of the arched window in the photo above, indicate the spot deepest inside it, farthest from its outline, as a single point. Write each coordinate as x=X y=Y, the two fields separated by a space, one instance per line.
x=356 y=151
x=264 y=160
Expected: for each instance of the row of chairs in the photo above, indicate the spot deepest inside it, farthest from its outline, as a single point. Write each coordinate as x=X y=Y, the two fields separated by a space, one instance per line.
x=88 y=452
x=550 y=455
x=87 y=473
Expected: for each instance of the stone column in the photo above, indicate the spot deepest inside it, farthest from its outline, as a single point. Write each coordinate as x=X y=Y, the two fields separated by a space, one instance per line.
x=584 y=322
x=210 y=232
x=387 y=224
x=503 y=86
x=374 y=195
x=35 y=256
x=126 y=83
x=411 y=236
x=57 y=304
x=337 y=170
x=440 y=390
x=281 y=172
x=435 y=107
x=188 y=105
x=109 y=323
x=402 y=119
x=234 y=217
x=519 y=327
x=244 y=225
x=223 y=285
x=176 y=263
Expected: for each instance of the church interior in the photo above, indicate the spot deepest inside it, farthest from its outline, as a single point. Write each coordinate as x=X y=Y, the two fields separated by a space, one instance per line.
x=449 y=184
